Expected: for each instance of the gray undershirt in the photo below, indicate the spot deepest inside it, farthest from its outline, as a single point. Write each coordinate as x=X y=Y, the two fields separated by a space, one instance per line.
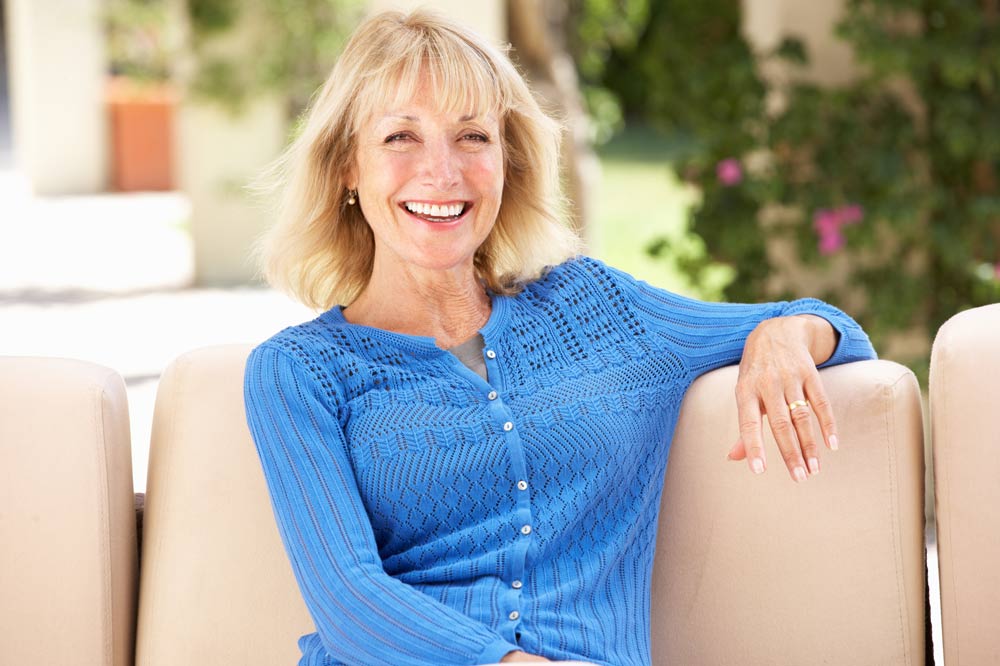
x=470 y=353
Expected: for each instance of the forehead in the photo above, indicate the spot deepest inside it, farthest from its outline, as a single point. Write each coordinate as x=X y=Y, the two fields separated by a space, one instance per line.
x=431 y=87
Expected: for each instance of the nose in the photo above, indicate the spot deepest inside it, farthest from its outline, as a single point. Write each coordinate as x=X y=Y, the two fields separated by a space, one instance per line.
x=440 y=167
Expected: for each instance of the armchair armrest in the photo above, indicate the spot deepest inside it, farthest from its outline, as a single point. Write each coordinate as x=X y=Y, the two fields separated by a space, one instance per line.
x=761 y=570
x=68 y=571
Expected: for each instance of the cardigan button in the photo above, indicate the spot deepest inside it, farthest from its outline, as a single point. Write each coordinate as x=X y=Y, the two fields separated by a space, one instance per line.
x=514 y=615
x=517 y=585
x=508 y=426
x=522 y=485
x=492 y=395
x=526 y=530
x=490 y=353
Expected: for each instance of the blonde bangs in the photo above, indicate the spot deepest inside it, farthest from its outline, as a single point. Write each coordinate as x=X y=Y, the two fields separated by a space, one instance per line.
x=417 y=61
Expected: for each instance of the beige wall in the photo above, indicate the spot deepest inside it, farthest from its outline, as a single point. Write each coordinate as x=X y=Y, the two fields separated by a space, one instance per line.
x=218 y=155
x=57 y=68
x=219 y=152
x=766 y=22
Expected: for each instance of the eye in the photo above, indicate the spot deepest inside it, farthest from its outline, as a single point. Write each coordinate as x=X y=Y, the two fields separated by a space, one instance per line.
x=477 y=136
x=398 y=136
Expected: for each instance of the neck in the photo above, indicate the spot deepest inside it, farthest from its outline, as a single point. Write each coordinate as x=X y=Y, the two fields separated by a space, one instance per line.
x=447 y=305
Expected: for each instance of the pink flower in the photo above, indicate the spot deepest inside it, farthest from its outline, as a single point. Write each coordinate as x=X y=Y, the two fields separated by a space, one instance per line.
x=827 y=223
x=831 y=243
x=851 y=214
x=729 y=172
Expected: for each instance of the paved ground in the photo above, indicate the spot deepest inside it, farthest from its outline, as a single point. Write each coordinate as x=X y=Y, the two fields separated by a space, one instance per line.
x=108 y=279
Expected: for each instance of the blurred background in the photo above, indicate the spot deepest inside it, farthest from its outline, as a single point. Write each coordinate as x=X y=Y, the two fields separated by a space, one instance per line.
x=740 y=150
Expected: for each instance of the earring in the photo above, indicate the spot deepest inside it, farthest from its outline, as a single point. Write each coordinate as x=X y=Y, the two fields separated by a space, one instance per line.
x=352 y=197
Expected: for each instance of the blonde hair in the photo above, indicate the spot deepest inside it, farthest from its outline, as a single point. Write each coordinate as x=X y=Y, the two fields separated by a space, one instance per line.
x=321 y=249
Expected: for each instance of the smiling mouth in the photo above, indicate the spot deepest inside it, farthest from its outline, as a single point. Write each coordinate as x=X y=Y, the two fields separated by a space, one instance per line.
x=436 y=212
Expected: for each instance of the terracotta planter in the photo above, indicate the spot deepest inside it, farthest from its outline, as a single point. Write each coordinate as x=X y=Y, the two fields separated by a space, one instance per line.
x=141 y=124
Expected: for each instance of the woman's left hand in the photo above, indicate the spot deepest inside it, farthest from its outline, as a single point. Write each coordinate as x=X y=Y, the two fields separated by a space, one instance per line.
x=778 y=378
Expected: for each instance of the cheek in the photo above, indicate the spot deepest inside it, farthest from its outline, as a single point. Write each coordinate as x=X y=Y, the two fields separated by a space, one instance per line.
x=487 y=174
x=382 y=178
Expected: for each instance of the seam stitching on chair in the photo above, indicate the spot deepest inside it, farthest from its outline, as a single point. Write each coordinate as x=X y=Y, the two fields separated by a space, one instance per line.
x=890 y=429
x=104 y=520
x=939 y=351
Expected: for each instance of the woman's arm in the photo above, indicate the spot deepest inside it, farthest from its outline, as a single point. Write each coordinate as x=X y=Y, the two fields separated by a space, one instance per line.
x=779 y=347
x=361 y=613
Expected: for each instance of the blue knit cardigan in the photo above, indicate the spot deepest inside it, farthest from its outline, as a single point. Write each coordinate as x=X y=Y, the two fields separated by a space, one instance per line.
x=432 y=517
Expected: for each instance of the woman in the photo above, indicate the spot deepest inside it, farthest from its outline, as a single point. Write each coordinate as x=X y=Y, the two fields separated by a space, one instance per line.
x=465 y=461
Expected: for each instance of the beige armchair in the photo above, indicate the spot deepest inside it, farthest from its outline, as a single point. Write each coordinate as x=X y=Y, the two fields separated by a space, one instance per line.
x=965 y=425
x=749 y=570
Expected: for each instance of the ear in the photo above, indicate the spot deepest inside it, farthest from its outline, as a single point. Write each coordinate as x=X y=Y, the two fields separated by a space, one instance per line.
x=351 y=176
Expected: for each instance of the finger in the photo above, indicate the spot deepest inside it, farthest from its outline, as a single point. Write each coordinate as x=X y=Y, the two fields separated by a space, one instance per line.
x=780 y=421
x=738 y=452
x=748 y=407
x=821 y=406
x=801 y=416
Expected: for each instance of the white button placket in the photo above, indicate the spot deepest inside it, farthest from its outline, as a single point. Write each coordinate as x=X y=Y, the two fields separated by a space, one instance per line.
x=511 y=600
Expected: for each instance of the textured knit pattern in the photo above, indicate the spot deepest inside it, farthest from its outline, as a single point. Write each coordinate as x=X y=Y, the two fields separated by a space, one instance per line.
x=432 y=517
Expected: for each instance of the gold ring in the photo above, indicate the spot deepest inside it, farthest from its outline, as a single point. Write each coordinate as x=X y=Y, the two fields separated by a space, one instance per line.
x=792 y=406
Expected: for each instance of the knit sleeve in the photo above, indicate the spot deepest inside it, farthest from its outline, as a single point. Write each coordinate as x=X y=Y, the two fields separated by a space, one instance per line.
x=362 y=615
x=712 y=335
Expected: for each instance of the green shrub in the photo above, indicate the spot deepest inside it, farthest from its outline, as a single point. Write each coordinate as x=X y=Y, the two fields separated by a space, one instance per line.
x=881 y=195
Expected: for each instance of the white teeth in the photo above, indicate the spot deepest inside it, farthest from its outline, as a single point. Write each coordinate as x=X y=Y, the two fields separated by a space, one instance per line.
x=434 y=210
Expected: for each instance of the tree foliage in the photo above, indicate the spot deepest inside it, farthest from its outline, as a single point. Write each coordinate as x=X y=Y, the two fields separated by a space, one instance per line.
x=237 y=49
x=887 y=188
x=288 y=47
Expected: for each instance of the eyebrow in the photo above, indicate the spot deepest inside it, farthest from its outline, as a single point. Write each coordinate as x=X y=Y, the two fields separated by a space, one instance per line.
x=414 y=119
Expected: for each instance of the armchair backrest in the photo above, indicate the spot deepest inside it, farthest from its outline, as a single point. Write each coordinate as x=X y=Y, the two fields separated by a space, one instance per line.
x=216 y=587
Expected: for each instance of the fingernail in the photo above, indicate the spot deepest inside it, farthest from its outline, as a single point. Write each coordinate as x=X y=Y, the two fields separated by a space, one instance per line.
x=833 y=442
x=813 y=466
x=757 y=465
x=799 y=474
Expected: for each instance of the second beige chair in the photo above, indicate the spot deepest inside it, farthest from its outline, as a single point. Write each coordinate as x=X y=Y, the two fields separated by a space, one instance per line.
x=965 y=424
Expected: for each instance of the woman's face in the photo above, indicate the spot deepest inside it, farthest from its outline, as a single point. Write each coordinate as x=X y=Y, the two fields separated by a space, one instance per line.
x=429 y=183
